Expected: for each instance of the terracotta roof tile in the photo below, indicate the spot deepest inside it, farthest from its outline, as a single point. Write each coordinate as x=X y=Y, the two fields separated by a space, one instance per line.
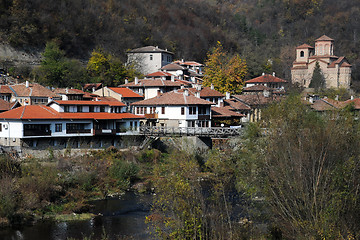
x=107 y=102
x=153 y=83
x=173 y=67
x=159 y=74
x=219 y=112
x=4 y=89
x=173 y=98
x=256 y=88
x=5 y=105
x=34 y=90
x=204 y=92
x=68 y=91
x=44 y=112
x=258 y=99
x=90 y=86
x=267 y=78
x=236 y=104
x=126 y=92
x=324 y=38
x=304 y=46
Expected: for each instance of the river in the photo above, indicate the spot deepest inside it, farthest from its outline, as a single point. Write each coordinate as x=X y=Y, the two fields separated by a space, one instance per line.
x=121 y=218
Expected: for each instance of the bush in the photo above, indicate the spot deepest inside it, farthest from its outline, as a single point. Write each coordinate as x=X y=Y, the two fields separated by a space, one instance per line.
x=124 y=172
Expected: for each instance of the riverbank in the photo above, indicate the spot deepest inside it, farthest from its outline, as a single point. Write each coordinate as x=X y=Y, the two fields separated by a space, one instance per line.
x=36 y=189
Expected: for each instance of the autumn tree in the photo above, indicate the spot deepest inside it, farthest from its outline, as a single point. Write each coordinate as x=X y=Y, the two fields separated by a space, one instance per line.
x=225 y=72
x=105 y=68
x=309 y=168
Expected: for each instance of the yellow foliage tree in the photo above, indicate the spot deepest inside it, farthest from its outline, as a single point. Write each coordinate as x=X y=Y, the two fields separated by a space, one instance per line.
x=225 y=72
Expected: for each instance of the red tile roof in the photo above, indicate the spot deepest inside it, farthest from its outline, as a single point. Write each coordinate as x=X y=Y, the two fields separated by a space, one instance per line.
x=267 y=78
x=4 y=89
x=258 y=99
x=30 y=112
x=87 y=103
x=34 y=90
x=159 y=74
x=69 y=91
x=256 y=88
x=172 y=98
x=324 y=38
x=90 y=86
x=126 y=92
x=173 y=67
x=153 y=83
x=204 y=92
x=304 y=46
x=5 y=105
x=236 y=104
x=220 y=112
x=149 y=49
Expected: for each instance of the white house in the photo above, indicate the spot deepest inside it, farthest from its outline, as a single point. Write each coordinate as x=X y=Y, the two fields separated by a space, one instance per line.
x=82 y=124
x=150 y=88
x=175 y=109
x=149 y=59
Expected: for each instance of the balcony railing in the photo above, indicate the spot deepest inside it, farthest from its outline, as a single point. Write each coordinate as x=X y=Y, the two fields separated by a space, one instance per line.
x=105 y=131
x=34 y=132
x=203 y=117
x=75 y=131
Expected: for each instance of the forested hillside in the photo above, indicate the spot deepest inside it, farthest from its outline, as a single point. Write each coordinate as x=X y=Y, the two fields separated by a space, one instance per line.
x=264 y=32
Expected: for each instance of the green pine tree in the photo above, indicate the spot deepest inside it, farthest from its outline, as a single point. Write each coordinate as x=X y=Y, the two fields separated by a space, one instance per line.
x=317 y=79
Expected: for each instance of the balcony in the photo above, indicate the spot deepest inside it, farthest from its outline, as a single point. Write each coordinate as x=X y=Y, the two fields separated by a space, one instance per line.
x=77 y=131
x=203 y=117
x=151 y=115
x=105 y=131
x=36 y=132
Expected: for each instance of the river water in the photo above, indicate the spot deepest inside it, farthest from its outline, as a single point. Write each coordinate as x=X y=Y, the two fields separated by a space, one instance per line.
x=122 y=218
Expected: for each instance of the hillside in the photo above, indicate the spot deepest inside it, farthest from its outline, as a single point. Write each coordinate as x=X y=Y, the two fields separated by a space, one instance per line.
x=265 y=32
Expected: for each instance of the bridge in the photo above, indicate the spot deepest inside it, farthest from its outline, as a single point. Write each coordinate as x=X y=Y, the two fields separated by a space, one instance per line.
x=217 y=132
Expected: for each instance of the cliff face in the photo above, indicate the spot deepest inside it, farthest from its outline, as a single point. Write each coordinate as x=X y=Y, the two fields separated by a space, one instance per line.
x=12 y=56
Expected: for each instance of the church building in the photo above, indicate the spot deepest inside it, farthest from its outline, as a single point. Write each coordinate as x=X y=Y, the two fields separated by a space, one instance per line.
x=336 y=70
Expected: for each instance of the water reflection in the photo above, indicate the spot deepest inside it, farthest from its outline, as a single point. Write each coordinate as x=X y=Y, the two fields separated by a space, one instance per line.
x=117 y=217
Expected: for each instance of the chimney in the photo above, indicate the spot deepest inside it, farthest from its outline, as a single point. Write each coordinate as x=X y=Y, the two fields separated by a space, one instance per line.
x=186 y=92
x=197 y=94
x=227 y=95
x=126 y=80
x=66 y=90
x=212 y=87
x=93 y=89
x=192 y=79
x=266 y=93
x=172 y=78
x=182 y=87
x=136 y=80
x=311 y=99
x=352 y=97
x=263 y=74
x=273 y=74
x=337 y=98
x=27 y=84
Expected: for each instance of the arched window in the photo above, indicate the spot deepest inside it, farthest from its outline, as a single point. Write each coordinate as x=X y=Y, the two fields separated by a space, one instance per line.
x=302 y=54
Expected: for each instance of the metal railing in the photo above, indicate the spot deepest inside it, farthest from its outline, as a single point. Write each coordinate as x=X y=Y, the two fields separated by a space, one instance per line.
x=190 y=131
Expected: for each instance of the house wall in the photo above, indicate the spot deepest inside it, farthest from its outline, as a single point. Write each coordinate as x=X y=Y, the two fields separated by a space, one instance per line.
x=11 y=132
x=145 y=65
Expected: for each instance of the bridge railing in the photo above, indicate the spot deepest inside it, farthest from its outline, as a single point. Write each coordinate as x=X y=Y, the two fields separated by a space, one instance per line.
x=190 y=131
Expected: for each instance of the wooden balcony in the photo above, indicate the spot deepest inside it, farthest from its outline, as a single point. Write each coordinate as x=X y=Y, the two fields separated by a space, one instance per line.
x=36 y=132
x=203 y=117
x=77 y=131
x=151 y=115
x=105 y=132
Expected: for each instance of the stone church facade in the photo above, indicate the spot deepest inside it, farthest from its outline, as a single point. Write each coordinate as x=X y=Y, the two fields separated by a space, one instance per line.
x=336 y=70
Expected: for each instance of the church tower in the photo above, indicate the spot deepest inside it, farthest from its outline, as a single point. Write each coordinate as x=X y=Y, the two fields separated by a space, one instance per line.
x=324 y=46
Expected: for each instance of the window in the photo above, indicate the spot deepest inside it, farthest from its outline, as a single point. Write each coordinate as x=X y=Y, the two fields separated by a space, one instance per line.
x=182 y=110
x=151 y=57
x=102 y=108
x=66 y=108
x=79 y=108
x=192 y=110
x=0 y=127
x=162 y=110
x=137 y=110
x=58 y=127
x=202 y=110
x=91 y=108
